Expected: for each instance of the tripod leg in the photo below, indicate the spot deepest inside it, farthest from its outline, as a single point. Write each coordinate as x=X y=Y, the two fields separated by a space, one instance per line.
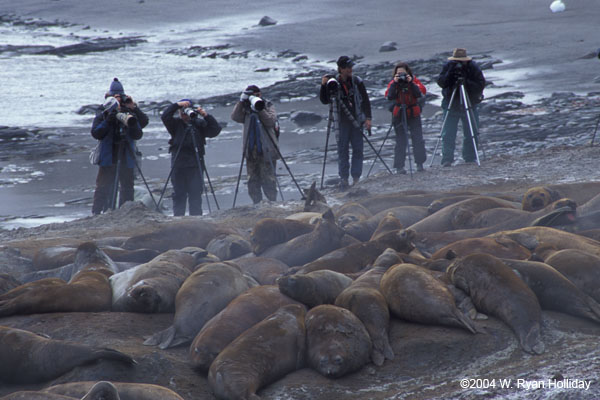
x=276 y=180
x=595 y=130
x=162 y=193
x=113 y=201
x=407 y=144
x=199 y=165
x=329 y=122
x=375 y=151
x=237 y=185
x=466 y=105
x=381 y=147
x=446 y=112
x=132 y=155
x=209 y=182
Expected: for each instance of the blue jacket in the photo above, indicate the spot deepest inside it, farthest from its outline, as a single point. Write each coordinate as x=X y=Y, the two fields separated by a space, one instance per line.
x=110 y=133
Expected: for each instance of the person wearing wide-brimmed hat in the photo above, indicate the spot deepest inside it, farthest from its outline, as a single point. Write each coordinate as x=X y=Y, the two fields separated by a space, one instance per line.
x=460 y=66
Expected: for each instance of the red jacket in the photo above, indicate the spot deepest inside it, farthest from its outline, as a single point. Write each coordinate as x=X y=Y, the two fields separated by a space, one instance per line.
x=408 y=97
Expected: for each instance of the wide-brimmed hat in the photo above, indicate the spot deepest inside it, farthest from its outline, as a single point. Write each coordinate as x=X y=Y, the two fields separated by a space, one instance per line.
x=459 y=55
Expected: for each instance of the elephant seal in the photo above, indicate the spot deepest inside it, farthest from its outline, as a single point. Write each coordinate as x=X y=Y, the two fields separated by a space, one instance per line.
x=88 y=291
x=127 y=391
x=408 y=215
x=245 y=311
x=30 y=395
x=421 y=198
x=554 y=291
x=496 y=290
x=351 y=212
x=228 y=246
x=458 y=215
x=7 y=282
x=29 y=358
x=387 y=224
x=534 y=236
x=53 y=257
x=579 y=267
x=337 y=342
x=305 y=248
x=263 y=354
x=178 y=234
x=314 y=288
x=203 y=294
x=365 y=300
x=501 y=247
x=264 y=270
x=268 y=232
x=539 y=197
x=414 y=294
x=152 y=287
x=356 y=257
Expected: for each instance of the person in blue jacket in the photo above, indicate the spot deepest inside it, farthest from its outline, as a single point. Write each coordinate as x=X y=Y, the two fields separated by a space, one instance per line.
x=111 y=133
x=187 y=125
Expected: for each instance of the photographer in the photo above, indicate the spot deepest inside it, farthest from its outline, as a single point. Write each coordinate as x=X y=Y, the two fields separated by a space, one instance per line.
x=259 y=119
x=407 y=91
x=186 y=125
x=353 y=94
x=460 y=68
x=112 y=133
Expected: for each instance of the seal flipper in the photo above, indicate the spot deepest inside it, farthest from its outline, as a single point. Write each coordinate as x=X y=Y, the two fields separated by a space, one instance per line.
x=532 y=341
x=110 y=354
x=161 y=339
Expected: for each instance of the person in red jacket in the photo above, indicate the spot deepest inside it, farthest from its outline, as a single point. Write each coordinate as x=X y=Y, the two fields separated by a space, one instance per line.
x=406 y=89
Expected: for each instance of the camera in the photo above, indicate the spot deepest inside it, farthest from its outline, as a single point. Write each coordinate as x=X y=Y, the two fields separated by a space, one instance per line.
x=332 y=86
x=127 y=119
x=402 y=78
x=190 y=112
x=256 y=103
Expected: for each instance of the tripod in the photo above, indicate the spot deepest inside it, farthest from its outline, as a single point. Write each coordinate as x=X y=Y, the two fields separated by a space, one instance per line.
x=595 y=130
x=468 y=110
x=201 y=167
x=382 y=144
x=113 y=203
x=334 y=104
x=245 y=148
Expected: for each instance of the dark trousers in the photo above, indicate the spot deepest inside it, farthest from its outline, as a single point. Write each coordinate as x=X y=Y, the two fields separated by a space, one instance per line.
x=104 y=187
x=188 y=184
x=261 y=175
x=348 y=136
x=416 y=136
x=450 y=130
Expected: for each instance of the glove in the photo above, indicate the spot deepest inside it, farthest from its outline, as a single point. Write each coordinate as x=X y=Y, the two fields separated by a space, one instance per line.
x=244 y=96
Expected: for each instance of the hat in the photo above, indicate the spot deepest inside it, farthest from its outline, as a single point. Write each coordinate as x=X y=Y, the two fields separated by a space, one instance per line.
x=253 y=89
x=345 y=62
x=459 y=55
x=188 y=100
x=116 y=88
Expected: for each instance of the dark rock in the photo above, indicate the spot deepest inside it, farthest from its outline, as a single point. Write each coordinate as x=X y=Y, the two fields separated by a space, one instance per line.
x=262 y=70
x=306 y=118
x=94 y=45
x=300 y=58
x=266 y=21
x=388 y=46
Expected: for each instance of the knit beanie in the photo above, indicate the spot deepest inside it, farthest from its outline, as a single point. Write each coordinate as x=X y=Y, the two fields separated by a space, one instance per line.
x=116 y=88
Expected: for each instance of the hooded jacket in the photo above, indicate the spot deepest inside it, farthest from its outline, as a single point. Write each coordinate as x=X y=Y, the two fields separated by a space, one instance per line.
x=268 y=122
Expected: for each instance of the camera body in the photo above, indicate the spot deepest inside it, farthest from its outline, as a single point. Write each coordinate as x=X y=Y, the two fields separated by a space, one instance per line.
x=402 y=78
x=190 y=112
x=256 y=103
x=332 y=86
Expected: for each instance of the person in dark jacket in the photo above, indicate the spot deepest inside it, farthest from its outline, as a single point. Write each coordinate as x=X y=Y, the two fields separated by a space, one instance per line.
x=353 y=94
x=405 y=90
x=112 y=134
x=460 y=67
x=188 y=173
x=261 y=143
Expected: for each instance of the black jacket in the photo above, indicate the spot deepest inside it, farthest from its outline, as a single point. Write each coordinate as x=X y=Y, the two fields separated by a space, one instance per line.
x=474 y=82
x=348 y=96
x=181 y=134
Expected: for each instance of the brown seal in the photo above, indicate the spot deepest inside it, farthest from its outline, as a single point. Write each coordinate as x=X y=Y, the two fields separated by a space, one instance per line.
x=29 y=358
x=579 y=267
x=126 y=391
x=264 y=270
x=407 y=215
x=554 y=291
x=387 y=224
x=8 y=282
x=337 y=342
x=351 y=212
x=365 y=300
x=228 y=246
x=305 y=248
x=356 y=257
x=496 y=290
x=268 y=232
x=245 y=311
x=206 y=292
x=539 y=197
x=152 y=287
x=314 y=288
x=30 y=395
x=414 y=294
x=502 y=247
x=263 y=354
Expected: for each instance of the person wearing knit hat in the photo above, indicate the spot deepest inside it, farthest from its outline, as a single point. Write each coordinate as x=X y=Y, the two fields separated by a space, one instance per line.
x=117 y=143
x=460 y=68
x=261 y=151
x=354 y=110
x=187 y=173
